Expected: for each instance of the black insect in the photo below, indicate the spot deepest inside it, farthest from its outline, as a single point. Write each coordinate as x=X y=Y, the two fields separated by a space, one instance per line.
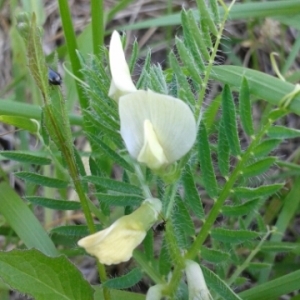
x=160 y=226
x=53 y=77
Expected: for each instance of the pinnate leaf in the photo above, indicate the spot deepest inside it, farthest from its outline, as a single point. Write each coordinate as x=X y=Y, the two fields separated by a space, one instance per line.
x=229 y=121
x=25 y=157
x=53 y=203
x=233 y=236
x=42 y=180
x=206 y=165
x=126 y=281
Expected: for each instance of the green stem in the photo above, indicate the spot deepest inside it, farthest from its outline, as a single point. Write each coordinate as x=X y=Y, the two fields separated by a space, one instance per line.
x=97 y=12
x=71 y=43
x=171 y=201
x=209 y=66
x=216 y=209
x=246 y=263
x=147 y=267
x=141 y=178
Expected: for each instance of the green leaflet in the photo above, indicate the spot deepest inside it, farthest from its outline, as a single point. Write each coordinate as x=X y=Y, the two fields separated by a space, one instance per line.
x=282 y=132
x=223 y=151
x=191 y=194
x=119 y=200
x=53 y=203
x=218 y=285
x=214 y=256
x=262 y=191
x=266 y=147
x=259 y=167
x=25 y=157
x=114 y=185
x=20 y=122
x=126 y=281
x=204 y=156
x=134 y=56
x=23 y=222
x=190 y=36
x=210 y=113
x=42 y=180
x=233 y=236
x=245 y=108
x=181 y=80
x=183 y=224
x=188 y=60
x=35 y=274
x=229 y=121
x=113 y=155
x=240 y=210
x=117 y=294
x=73 y=230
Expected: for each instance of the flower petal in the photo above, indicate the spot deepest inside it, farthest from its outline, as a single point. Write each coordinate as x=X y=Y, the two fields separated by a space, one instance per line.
x=196 y=283
x=172 y=121
x=116 y=243
x=121 y=83
x=152 y=154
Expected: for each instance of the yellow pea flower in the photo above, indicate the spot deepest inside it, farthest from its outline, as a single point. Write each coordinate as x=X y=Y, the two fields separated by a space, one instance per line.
x=157 y=129
x=196 y=283
x=121 y=83
x=116 y=243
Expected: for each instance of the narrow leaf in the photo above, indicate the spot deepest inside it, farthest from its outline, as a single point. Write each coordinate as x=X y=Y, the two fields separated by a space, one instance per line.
x=126 y=281
x=191 y=194
x=266 y=147
x=113 y=155
x=117 y=294
x=233 y=236
x=259 y=167
x=119 y=200
x=188 y=60
x=20 y=122
x=262 y=85
x=214 y=256
x=282 y=132
x=245 y=108
x=23 y=221
x=25 y=157
x=273 y=289
x=74 y=230
x=43 y=277
x=240 y=210
x=229 y=118
x=223 y=151
x=114 y=185
x=210 y=113
x=42 y=180
x=218 y=285
x=208 y=174
x=53 y=203
x=262 y=191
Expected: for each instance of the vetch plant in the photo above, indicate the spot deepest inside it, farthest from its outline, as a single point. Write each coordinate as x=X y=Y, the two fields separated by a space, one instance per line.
x=204 y=167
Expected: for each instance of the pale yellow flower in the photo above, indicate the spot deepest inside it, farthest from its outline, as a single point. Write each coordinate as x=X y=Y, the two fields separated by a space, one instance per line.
x=155 y=292
x=157 y=129
x=116 y=243
x=121 y=83
x=196 y=283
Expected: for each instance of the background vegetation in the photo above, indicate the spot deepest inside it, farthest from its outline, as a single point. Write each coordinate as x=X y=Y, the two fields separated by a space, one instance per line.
x=236 y=196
